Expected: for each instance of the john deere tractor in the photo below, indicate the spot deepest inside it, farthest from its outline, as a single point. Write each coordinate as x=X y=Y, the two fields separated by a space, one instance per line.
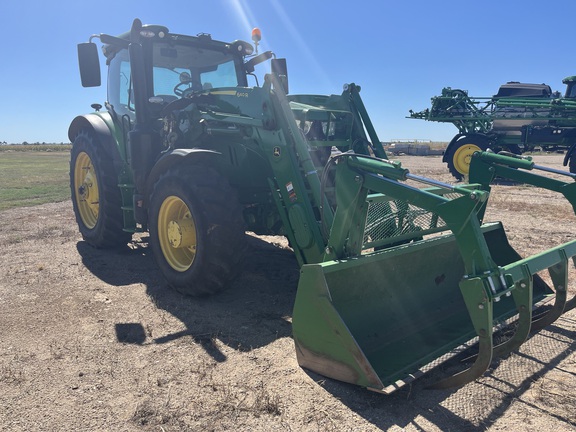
x=397 y=270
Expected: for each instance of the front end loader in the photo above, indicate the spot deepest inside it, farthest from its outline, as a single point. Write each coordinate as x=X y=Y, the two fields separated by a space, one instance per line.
x=435 y=276
x=397 y=270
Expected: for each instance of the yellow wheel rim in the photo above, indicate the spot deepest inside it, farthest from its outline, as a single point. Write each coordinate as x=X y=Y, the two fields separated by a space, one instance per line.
x=177 y=233
x=86 y=187
x=463 y=156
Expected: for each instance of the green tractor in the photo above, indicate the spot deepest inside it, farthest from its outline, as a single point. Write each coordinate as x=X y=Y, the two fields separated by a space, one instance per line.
x=519 y=118
x=195 y=149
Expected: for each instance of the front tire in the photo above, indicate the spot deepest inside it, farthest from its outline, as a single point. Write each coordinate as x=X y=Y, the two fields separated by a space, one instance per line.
x=196 y=230
x=96 y=198
x=459 y=155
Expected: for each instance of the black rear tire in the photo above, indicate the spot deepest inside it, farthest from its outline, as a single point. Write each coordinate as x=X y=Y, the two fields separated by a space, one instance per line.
x=96 y=197
x=197 y=231
x=514 y=148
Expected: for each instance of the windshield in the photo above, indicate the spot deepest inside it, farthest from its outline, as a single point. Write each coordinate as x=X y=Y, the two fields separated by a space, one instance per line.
x=196 y=68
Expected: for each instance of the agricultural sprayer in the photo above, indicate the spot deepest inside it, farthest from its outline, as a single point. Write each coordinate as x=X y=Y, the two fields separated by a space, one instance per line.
x=519 y=118
x=397 y=270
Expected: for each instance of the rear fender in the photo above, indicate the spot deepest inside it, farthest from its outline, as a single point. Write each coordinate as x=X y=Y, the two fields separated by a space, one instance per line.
x=102 y=131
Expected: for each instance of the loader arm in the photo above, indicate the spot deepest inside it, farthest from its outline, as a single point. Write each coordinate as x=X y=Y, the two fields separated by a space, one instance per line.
x=296 y=186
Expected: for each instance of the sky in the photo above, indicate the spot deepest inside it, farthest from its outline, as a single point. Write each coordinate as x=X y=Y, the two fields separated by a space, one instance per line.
x=401 y=52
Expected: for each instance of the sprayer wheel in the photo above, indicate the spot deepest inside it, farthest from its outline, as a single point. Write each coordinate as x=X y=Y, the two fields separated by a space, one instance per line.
x=458 y=157
x=96 y=198
x=572 y=164
x=196 y=230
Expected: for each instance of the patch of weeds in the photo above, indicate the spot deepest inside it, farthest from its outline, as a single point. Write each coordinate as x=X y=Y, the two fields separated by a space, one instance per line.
x=59 y=350
x=324 y=420
x=554 y=393
x=56 y=351
x=231 y=401
x=47 y=232
x=267 y=403
x=69 y=233
x=148 y=414
x=14 y=240
x=163 y=381
x=145 y=413
x=11 y=374
x=205 y=371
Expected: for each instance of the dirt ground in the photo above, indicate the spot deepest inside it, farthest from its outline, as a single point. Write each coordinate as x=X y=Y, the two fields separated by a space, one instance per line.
x=94 y=340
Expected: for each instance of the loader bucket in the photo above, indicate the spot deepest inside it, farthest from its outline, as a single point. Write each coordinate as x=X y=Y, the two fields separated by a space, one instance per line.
x=378 y=319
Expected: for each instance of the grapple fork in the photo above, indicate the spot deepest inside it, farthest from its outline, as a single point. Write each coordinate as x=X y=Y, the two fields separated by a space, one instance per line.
x=395 y=300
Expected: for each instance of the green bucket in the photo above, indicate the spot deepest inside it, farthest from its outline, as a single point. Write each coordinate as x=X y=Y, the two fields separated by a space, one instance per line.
x=378 y=319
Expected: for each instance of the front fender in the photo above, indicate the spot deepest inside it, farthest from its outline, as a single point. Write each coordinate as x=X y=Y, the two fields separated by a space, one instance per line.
x=103 y=132
x=176 y=157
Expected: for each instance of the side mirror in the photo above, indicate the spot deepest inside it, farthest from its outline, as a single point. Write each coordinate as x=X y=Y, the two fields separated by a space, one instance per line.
x=89 y=64
x=250 y=64
x=280 y=69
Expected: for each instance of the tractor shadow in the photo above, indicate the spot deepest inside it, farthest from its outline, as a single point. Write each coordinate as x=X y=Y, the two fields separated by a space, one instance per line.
x=253 y=312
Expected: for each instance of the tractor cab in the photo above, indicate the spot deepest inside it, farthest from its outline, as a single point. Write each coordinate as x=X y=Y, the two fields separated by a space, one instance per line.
x=172 y=66
x=176 y=70
x=570 y=86
x=515 y=89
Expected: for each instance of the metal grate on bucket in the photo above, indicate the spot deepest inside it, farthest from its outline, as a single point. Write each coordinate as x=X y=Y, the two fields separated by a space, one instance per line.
x=391 y=221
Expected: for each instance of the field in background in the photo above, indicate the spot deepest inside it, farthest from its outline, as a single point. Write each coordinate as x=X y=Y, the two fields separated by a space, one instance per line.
x=35 y=147
x=33 y=174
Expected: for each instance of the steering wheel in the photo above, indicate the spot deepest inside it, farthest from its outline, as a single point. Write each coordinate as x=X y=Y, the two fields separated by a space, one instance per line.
x=181 y=92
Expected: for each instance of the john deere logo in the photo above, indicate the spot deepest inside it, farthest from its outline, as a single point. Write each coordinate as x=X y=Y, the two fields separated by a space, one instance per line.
x=277 y=152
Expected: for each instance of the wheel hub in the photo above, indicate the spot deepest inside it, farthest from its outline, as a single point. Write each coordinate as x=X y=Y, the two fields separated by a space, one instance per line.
x=87 y=193
x=181 y=233
x=177 y=233
x=463 y=156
